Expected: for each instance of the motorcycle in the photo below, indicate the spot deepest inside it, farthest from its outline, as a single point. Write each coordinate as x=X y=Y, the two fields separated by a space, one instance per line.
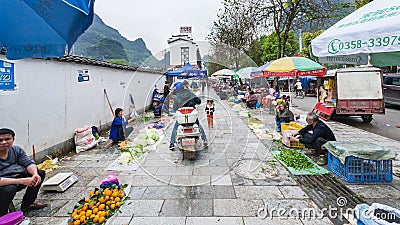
x=188 y=132
x=157 y=103
x=299 y=94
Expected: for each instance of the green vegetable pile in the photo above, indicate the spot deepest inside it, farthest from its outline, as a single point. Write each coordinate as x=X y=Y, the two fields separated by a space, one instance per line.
x=294 y=159
x=143 y=118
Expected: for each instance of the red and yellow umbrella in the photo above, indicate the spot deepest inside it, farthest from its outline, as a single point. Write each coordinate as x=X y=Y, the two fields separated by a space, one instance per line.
x=294 y=66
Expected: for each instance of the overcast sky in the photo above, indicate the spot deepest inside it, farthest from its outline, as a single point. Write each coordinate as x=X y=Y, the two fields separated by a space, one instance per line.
x=157 y=20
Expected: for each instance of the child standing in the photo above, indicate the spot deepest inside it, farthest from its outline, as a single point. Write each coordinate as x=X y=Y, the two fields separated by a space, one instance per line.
x=210 y=113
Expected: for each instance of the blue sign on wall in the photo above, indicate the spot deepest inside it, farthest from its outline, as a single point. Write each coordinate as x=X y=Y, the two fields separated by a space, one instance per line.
x=6 y=75
x=83 y=75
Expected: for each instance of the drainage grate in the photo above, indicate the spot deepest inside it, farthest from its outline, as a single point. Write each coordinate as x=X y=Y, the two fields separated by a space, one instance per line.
x=327 y=192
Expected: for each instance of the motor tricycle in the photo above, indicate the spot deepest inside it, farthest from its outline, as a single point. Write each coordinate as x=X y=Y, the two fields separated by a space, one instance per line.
x=356 y=91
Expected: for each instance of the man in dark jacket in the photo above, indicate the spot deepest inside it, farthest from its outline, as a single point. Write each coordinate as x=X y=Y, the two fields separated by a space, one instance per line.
x=314 y=135
x=166 y=97
x=184 y=97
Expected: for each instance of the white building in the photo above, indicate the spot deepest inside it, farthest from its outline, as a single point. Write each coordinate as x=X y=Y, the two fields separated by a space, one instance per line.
x=182 y=50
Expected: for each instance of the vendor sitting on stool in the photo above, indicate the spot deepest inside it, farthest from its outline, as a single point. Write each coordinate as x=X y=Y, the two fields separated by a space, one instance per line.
x=247 y=95
x=314 y=135
x=283 y=115
x=252 y=100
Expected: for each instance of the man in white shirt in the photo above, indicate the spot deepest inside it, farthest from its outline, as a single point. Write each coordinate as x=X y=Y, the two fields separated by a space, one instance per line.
x=298 y=86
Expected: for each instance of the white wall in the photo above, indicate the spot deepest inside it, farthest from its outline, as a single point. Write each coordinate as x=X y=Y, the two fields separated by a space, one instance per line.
x=175 y=52
x=50 y=104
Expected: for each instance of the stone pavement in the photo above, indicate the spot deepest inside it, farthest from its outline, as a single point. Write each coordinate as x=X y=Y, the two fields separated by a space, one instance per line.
x=228 y=183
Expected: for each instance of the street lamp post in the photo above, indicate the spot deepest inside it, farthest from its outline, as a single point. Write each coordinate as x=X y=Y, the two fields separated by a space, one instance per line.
x=300 y=40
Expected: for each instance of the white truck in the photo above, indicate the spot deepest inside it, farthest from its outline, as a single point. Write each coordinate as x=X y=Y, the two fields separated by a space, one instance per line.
x=356 y=91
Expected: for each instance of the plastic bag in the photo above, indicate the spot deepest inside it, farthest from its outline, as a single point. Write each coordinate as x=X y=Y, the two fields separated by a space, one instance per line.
x=84 y=139
x=109 y=181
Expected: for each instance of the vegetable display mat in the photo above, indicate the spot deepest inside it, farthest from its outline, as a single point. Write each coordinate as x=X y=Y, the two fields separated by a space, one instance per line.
x=316 y=170
x=132 y=166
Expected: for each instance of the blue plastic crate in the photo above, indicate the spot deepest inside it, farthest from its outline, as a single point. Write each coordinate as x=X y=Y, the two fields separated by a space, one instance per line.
x=359 y=170
x=359 y=222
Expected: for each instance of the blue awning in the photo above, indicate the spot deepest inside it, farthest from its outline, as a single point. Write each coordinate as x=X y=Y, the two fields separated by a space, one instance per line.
x=259 y=72
x=188 y=71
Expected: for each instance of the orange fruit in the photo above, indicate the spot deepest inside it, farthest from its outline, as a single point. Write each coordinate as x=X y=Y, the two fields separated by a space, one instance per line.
x=96 y=193
x=96 y=219
x=101 y=199
x=89 y=213
x=77 y=222
x=91 y=193
x=107 y=214
x=77 y=217
x=95 y=210
x=102 y=213
x=83 y=219
x=115 y=194
x=108 y=202
x=112 y=206
x=107 y=192
x=82 y=213
x=101 y=206
x=84 y=208
x=117 y=199
x=118 y=204
x=87 y=199
x=102 y=219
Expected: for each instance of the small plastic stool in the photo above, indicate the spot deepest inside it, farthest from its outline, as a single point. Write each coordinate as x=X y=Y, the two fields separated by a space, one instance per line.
x=12 y=218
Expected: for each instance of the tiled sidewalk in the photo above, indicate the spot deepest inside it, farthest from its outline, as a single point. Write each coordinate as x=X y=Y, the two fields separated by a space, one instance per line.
x=227 y=184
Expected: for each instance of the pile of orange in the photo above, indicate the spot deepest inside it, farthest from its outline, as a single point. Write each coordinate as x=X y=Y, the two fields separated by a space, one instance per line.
x=101 y=205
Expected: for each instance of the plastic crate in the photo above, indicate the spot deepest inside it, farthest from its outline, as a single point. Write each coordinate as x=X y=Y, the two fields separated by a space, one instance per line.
x=291 y=126
x=286 y=141
x=294 y=144
x=358 y=170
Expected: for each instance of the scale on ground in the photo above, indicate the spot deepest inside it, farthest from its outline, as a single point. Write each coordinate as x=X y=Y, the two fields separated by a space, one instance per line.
x=60 y=182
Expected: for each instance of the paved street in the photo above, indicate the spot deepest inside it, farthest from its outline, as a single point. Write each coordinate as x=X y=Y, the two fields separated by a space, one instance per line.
x=384 y=125
x=227 y=184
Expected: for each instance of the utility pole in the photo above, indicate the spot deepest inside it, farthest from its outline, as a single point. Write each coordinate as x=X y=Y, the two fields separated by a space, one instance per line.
x=300 y=40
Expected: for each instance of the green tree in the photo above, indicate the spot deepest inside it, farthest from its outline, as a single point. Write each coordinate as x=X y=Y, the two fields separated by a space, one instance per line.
x=118 y=61
x=265 y=48
x=106 y=49
x=232 y=33
x=307 y=38
x=283 y=15
x=361 y=3
x=255 y=52
x=270 y=47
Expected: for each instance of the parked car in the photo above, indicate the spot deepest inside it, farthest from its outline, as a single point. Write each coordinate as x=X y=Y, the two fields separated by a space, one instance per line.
x=391 y=87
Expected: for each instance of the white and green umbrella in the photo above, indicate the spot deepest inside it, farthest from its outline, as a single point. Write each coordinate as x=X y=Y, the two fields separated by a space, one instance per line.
x=244 y=73
x=373 y=30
